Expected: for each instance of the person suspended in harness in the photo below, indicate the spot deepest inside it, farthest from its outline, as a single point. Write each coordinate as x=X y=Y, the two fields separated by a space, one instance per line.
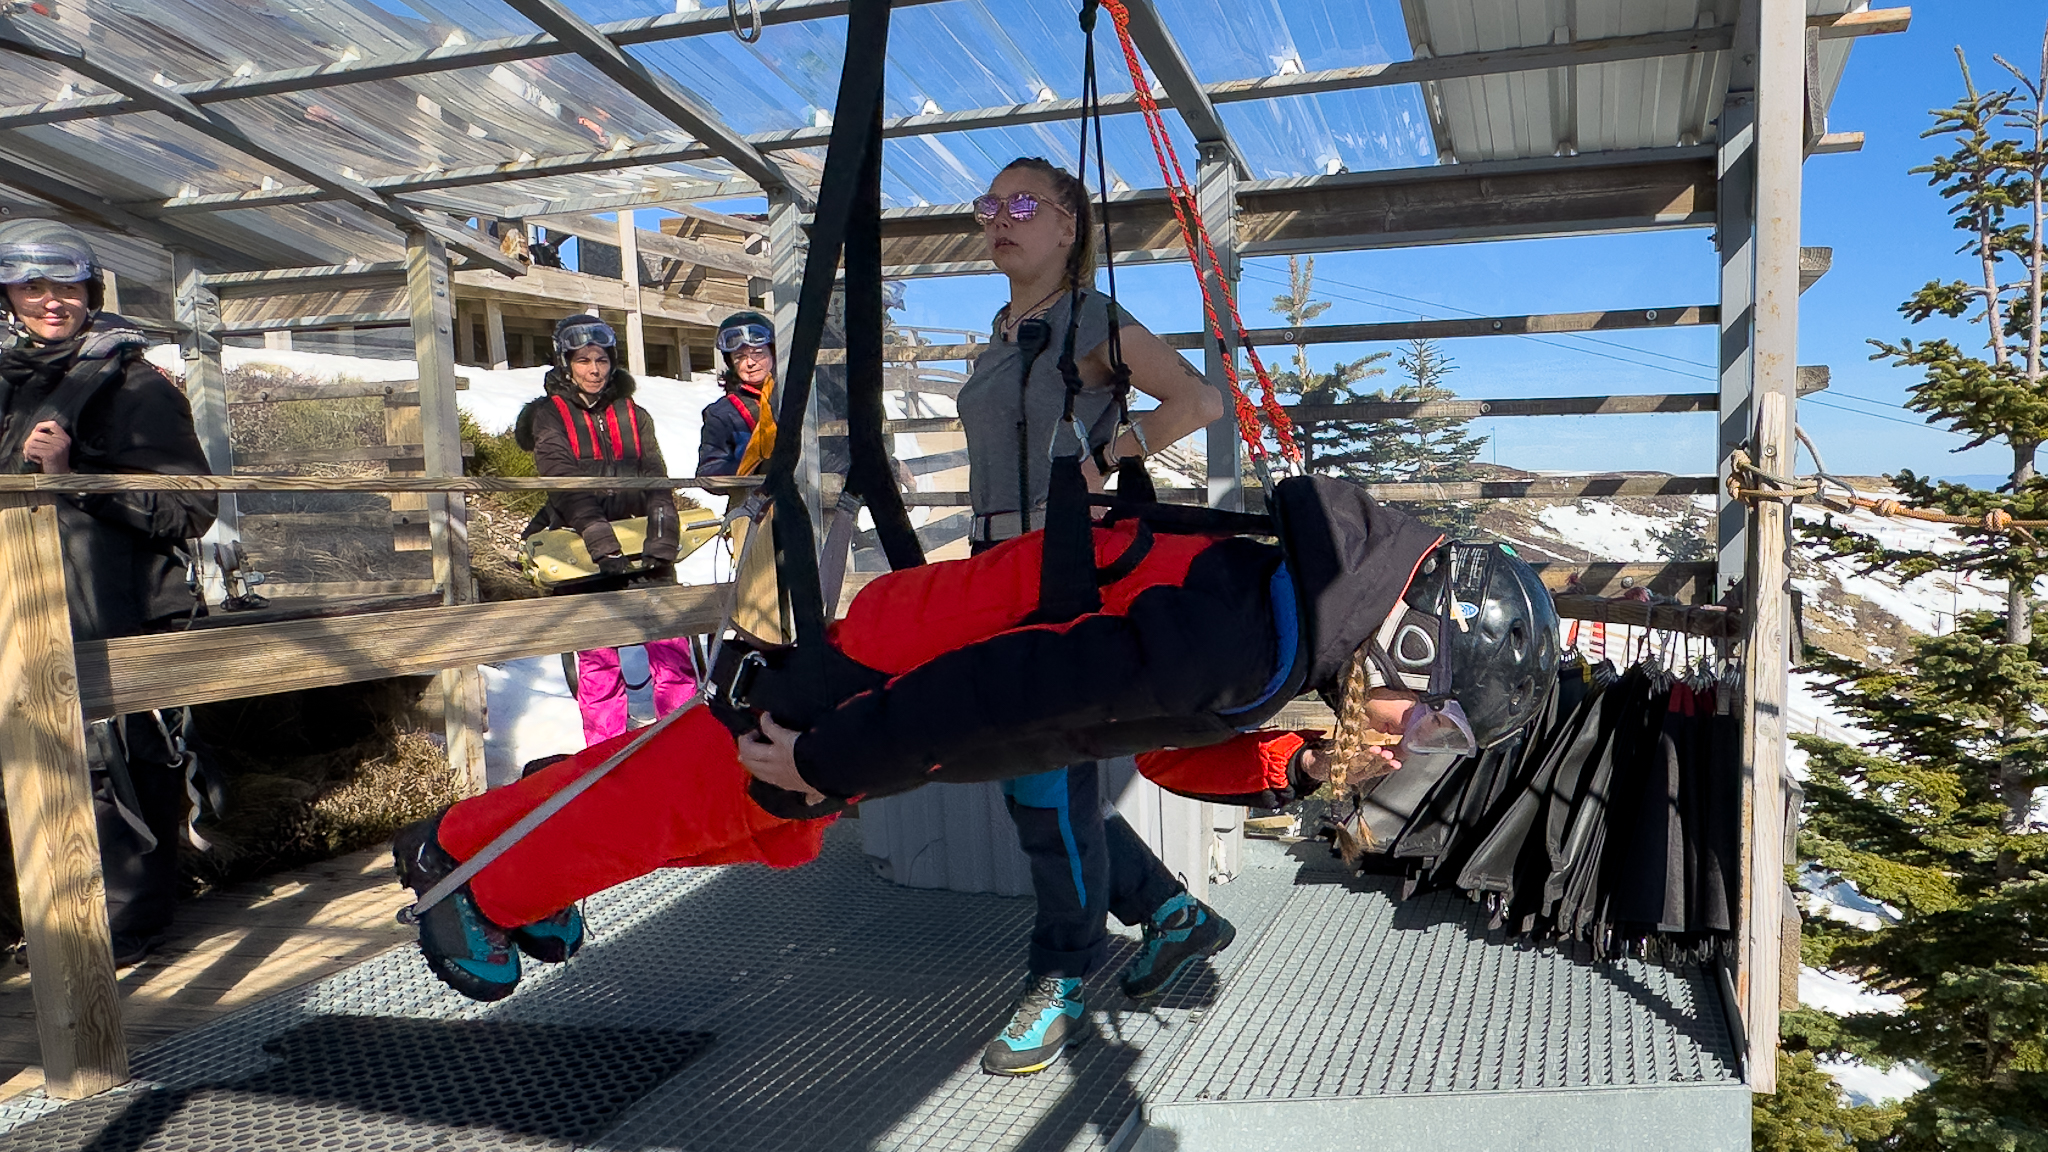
x=76 y=395
x=727 y=447
x=939 y=673
x=588 y=425
x=1086 y=862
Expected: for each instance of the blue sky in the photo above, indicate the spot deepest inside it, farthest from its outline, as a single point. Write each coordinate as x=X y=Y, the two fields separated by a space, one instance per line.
x=1888 y=230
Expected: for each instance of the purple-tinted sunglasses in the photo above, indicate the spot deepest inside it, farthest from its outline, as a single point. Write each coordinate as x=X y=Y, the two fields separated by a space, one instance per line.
x=1022 y=206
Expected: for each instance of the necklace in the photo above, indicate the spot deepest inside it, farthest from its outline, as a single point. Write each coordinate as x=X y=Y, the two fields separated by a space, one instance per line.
x=1009 y=326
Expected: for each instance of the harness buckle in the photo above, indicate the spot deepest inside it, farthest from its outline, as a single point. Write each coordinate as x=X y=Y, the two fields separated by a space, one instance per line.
x=740 y=686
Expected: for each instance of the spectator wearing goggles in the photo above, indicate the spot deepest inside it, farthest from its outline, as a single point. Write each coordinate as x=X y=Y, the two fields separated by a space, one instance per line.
x=77 y=396
x=739 y=427
x=586 y=424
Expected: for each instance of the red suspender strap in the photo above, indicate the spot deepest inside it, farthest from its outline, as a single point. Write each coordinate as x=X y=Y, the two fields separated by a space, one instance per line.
x=569 y=426
x=745 y=414
x=633 y=418
x=612 y=420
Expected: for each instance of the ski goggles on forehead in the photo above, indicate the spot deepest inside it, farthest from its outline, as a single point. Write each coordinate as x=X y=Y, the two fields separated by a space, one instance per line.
x=745 y=336
x=1439 y=728
x=583 y=335
x=1021 y=206
x=21 y=265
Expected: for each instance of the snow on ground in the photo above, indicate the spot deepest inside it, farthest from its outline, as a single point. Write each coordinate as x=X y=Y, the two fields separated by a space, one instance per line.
x=1607 y=530
x=531 y=712
x=493 y=397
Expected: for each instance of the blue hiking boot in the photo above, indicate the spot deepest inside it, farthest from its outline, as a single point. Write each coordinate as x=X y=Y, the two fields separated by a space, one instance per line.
x=468 y=952
x=553 y=940
x=1048 y=1018
x=1180 y=932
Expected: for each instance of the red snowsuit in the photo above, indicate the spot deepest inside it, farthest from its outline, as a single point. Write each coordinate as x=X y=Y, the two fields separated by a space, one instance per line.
x=683 y=799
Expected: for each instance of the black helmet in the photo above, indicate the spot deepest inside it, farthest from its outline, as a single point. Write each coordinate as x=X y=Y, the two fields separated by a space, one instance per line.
x=1480 y=629
x=50 y=250
x=582 y=330
x=749 y=329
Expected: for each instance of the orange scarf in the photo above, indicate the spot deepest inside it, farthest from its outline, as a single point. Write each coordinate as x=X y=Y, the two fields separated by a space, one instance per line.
x=762 y=444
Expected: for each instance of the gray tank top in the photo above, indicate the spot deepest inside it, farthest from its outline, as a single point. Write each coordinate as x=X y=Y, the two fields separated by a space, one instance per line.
x=997 y=396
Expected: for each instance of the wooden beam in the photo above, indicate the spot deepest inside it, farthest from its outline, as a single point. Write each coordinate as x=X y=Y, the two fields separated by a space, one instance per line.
x=1547 y=324
x=49 y=809
x=1610 y=577
x=1537 y=406
x=1836 y=143
x=494 y=336
x=101 y=482
x=1780 y=122
x=1870 y=22
x=403 y=458
x=1691 y=619
x=430 y=293
x=651 y=88
x=1494 y=199
x=1540 y=488
x=629 y=275
x=257 y=327
x=726 y=257
x=176 y=669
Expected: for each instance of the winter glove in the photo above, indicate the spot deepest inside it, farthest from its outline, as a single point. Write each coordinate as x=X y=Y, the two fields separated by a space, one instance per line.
x=613 y=565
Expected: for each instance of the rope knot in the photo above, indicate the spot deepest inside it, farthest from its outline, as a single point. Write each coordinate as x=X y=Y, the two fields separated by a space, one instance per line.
x=1997 y=520
x=1888 y=507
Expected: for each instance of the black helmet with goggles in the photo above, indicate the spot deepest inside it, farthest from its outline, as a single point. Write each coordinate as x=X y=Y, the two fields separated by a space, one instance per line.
x=747 y=329
x=53 y=251
x=1478 y=637
x=582 y=331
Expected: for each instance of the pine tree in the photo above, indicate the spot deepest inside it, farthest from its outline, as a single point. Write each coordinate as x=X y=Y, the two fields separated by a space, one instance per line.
x=1935 y=814
x=1329 y=446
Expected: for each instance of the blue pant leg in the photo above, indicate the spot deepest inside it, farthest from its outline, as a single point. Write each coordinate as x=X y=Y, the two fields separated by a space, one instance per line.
x=1060 y=827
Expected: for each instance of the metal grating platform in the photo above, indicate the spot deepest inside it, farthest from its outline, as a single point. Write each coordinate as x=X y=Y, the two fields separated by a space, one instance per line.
x=745 y=1010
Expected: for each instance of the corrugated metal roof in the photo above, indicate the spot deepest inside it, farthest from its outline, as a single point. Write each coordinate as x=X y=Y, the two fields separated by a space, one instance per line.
x=1605 y=107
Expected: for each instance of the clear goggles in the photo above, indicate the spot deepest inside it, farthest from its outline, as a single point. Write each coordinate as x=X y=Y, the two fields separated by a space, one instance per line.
x=584 y=335
x=1439 y=727
x=745 y=336
x=21 y=264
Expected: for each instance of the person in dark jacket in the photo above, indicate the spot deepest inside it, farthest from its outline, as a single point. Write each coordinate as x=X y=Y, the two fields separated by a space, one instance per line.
x=76 y=395
x=725 y=447
x=588 y=425
x=936 y=674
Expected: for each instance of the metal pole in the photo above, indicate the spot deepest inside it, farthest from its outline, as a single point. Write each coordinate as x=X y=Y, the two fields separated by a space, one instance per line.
x=206 y=387
x=1216 y=195
x=786 y=251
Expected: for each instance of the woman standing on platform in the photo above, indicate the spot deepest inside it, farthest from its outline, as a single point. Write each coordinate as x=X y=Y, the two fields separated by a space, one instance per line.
x=1086 y=862
x=587 y=425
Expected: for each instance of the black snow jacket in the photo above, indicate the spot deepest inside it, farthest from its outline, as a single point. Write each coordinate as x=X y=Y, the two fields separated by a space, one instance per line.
x=570 y=434
x=728 y=425
x=122 y=571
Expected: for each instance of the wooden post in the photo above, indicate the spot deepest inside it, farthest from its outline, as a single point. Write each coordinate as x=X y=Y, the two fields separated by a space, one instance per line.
x=430 y=298
x=206 y=387
x=49 y=809
x=1216 y=177
x=494 y=335
x=786 y=253
x=1780 y=127
x=465 y=331
x=629 y=275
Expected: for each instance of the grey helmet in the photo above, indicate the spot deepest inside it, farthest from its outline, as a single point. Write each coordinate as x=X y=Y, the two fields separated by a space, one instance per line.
x=54 y=251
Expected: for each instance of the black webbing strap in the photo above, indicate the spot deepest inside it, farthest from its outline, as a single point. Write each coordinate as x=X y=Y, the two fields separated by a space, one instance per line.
x=850 y=190
x=871 y=475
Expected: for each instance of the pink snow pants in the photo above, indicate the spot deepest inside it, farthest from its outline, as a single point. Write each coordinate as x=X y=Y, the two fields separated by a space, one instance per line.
x=601 y=689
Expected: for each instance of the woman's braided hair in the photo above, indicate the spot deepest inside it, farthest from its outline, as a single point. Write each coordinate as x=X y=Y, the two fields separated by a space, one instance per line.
x=1073 y=195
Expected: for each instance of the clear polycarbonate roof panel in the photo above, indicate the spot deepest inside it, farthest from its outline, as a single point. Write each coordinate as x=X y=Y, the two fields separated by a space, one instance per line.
x=950 y=56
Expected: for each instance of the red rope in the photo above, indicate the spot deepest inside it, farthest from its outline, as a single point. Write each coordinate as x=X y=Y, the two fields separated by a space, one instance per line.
x=1188 y=214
